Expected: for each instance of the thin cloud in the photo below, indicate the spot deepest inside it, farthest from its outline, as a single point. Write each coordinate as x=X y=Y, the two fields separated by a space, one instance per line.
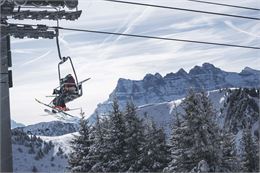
x=36 y=59
x=24 y=51
x=232 y=26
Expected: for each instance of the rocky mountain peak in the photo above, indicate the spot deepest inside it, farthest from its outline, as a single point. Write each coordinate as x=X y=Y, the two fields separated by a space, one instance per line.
x=148 y=77
x=150 y=80
x=250 y=71
x=158 y=76
x=208 y=66
x=196 y=70
x=181 y=72
x=204 y=69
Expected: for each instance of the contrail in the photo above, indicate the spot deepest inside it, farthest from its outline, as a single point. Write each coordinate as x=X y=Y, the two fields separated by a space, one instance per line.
x=36 y=59
x=231 y=25
x=139 y=19
x=129 y=28
x=125 y=22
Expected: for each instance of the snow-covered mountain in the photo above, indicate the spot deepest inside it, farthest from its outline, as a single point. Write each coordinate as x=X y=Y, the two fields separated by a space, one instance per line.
x=163 y=114
x=39 y=154
x=45 y=146
x=53 y=128
x=158 y=89
x=236 y=109
x=49 y=153
x=42 y=147
x=14 y=124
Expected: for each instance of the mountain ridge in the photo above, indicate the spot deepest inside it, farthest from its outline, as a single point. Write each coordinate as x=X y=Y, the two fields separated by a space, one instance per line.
x=52 y=128
x=157 y=88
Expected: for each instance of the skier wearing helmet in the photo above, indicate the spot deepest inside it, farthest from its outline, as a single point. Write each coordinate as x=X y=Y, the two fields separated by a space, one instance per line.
x=68 y=87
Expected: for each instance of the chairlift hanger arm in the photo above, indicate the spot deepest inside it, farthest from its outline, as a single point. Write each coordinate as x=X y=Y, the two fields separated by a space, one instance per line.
x=63 y=59
x=58 y=43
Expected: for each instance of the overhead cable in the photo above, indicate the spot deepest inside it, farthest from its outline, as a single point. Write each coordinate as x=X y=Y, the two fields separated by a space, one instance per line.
x=151 y=37
x=184 y=9
x=226 y=5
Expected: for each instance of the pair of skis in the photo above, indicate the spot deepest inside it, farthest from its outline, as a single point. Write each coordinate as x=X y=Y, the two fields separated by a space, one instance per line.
x=55 y=112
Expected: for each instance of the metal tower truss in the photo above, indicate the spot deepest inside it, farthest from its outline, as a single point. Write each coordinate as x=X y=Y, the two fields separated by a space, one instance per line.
x=49 y=15
x=22 y=31
x=70 y=4
x=10 y=10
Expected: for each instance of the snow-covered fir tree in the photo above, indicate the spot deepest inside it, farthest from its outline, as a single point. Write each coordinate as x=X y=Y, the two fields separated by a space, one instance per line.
x=229 y=157
x=155 y=153
x=98 y=150
x=114 y=151
x=135 y=138
x=175 y=144
x=79 y=159
x=250 y=155
x=197 y=136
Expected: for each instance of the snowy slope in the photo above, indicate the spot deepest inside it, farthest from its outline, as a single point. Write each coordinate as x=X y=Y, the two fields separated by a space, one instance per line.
x=158 y=89
x=61 y=141
x=44 y=146
x=31 y=152
x=24 y=162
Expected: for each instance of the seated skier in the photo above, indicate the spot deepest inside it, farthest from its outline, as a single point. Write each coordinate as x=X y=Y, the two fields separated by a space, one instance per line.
x=68 y=87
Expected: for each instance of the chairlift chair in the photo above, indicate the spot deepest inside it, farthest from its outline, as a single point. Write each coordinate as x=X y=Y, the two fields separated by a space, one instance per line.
x=78 y=92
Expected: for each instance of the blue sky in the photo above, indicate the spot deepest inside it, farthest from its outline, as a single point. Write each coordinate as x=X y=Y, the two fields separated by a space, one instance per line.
x=107 y=58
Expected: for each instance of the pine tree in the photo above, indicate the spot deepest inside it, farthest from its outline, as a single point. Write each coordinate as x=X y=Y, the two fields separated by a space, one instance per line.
x=229 y=161
x=98 y=150
x=155 y=152
x=79 y=160
x=197 y=136
x=134 y=138
x=114 y=151
x=250 y=157
x=175 y=148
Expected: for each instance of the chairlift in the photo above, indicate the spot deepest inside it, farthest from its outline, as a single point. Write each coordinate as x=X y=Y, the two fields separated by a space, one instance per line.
x=78 y=85
x=78 y=91
x=59 y=91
